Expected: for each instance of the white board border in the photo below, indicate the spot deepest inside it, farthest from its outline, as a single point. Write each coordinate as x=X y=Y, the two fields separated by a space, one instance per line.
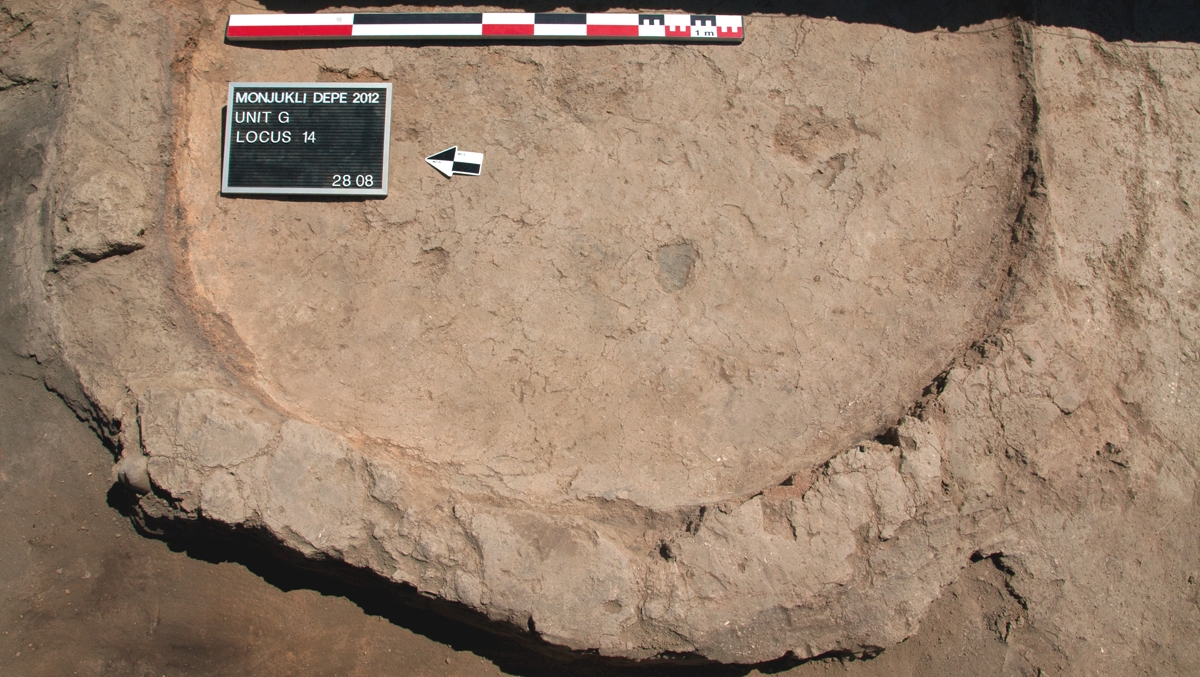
x=353 y=192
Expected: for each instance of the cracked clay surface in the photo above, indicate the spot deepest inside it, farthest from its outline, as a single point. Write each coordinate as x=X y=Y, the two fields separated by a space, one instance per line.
x=741 y=269
x=732 y=352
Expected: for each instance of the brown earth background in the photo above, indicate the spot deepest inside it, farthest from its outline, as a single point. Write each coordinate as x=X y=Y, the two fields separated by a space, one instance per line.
x=1045 y=318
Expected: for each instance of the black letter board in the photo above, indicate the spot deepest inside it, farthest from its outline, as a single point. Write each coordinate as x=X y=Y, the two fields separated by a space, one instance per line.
x=307 y=138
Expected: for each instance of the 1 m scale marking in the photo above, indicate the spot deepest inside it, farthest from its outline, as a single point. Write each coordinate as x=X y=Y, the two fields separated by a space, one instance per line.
x=568 y=26
x=312 y=138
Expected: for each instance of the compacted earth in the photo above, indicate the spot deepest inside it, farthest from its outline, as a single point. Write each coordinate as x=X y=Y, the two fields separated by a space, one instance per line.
x=870 y=345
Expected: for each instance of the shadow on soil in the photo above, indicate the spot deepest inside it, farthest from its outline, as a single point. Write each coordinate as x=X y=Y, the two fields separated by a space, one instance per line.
x=1136 y=20
x=515 y=650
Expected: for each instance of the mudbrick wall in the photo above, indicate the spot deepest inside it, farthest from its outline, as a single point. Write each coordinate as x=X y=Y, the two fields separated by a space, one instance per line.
x=803 y=328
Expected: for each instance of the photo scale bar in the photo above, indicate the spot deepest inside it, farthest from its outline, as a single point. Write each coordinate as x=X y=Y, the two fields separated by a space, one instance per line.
x=487 y=26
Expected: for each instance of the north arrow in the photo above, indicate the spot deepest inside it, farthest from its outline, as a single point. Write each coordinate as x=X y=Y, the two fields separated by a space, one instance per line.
x=454 y=161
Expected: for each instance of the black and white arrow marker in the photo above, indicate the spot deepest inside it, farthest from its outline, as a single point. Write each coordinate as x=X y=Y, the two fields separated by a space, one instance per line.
x=454 y=161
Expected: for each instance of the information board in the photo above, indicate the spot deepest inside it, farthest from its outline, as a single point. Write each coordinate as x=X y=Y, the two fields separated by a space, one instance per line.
x=307 y=138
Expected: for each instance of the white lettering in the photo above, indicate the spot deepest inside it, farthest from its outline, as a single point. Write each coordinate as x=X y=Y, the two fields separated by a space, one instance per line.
x=256 y=117
x=284 y=118
x=264 y=136
x=331 y=97
x=270 y=97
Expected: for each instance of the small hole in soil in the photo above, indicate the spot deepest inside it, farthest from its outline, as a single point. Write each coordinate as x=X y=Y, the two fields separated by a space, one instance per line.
x=665 y=552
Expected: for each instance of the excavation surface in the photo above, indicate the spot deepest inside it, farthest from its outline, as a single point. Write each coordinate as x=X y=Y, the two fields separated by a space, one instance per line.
x=686 y=273
x=732 y=352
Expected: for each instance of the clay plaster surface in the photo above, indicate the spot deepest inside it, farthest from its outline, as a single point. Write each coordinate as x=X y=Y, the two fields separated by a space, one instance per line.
x=731 y=351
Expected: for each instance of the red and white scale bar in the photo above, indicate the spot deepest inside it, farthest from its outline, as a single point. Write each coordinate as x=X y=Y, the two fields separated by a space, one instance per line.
x=486 y=25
